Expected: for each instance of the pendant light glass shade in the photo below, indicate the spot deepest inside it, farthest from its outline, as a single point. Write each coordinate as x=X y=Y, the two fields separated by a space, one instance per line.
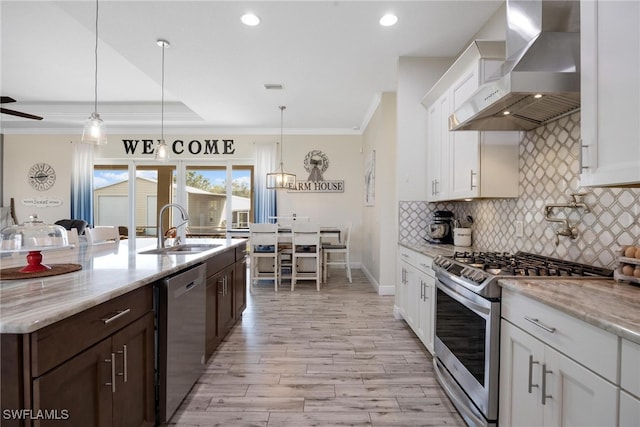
x=162 y=150
x=280 y=180
x=95 y=131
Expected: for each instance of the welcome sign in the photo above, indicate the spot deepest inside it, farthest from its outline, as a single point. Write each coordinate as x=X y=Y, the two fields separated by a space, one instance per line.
x=316 y=164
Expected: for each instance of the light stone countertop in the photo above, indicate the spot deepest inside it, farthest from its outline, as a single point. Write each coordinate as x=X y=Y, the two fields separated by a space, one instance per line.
x=108 y=271
x=605 y=303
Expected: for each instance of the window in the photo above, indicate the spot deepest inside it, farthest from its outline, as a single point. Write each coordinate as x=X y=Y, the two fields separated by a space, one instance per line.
x=205 y=196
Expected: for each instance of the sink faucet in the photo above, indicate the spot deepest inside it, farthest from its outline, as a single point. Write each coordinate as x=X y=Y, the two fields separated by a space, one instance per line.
x=185 y=218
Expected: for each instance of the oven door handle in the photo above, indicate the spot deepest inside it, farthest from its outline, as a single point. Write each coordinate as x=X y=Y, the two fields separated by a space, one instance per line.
x=481 y=309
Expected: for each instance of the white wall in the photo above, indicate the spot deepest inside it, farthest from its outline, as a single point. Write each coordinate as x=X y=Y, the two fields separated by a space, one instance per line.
x=380 y=230
x=344 y=153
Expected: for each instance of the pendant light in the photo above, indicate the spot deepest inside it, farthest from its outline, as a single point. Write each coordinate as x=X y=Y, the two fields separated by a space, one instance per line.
x=162 y=150
x=280 y=179
x=95 y=131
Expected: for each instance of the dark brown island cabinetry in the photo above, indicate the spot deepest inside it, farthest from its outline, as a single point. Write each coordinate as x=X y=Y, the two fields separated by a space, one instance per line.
x=94 y=368
x=226 y=294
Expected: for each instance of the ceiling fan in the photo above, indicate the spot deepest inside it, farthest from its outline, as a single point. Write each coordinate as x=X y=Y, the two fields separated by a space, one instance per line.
x=7 y=100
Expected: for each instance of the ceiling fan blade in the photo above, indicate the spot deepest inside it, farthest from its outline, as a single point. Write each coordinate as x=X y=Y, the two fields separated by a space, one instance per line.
x=6 y=99
x=19 y=114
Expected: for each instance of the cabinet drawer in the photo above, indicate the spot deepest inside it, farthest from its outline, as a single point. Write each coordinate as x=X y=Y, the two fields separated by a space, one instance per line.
x=241 y=252
x=630 y=369
x=62 y=340
x=423 y=263
x=418 y=260
x=406 y=255
x=590 y=346
x=220 y=261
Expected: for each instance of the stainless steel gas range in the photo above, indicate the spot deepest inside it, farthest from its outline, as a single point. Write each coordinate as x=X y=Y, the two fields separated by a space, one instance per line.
x=467 y=322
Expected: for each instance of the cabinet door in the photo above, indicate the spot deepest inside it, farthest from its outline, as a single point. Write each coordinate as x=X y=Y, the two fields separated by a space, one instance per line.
x=240 y=287
x=576 y=396
x=521 y=359
x=224 y=281
x=79 y=389
x=438 y=148
x=412 y=299
x=401 y=289
x=134 y=399
x=629 y=410
x=426 y=311
x=610 y=92
x=465 y=145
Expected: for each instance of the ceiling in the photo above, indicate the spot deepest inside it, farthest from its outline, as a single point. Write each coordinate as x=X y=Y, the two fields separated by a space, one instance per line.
x=332 y=58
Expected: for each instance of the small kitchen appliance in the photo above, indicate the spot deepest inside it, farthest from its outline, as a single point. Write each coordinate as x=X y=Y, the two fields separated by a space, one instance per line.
x=440 y=228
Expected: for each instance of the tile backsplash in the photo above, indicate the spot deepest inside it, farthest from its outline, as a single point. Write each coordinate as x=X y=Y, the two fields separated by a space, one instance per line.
x=549 y=174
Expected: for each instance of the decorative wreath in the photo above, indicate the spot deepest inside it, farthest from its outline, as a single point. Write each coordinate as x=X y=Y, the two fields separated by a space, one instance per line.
x=316 y=158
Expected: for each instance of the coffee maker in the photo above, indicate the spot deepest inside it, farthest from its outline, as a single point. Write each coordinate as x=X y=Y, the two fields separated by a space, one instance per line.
x=440 y=228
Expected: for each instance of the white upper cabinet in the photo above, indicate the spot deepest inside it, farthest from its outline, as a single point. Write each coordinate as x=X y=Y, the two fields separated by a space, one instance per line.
x=610 y=93
x=468 y=164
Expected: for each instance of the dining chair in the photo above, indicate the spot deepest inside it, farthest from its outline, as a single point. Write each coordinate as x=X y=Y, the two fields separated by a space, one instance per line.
x=305 y=245
x=263 y=244
x=102 y=234
x=341 y=249
x=72 y=237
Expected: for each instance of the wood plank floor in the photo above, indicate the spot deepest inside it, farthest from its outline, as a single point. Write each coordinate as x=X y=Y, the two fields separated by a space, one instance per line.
x=331 y=358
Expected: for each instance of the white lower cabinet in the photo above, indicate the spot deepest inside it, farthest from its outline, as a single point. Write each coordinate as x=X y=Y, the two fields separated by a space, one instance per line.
x=415 y=293
x=629 y=384
x=555 y=370
x=541 y=387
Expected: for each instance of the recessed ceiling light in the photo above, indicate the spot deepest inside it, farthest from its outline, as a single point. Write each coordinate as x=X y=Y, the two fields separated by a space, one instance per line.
x=250 y=19
x=388 y=20
x=537 y=96
x=506 y=113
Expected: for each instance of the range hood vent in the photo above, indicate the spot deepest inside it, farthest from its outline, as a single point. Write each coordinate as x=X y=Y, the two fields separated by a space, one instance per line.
x=540 y=80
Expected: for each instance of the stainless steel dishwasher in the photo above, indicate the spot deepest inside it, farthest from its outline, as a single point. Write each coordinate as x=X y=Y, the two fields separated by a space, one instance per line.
x=181 y=337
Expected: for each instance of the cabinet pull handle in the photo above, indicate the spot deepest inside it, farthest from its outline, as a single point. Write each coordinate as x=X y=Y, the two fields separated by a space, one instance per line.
x=545 y=396
x=123 y=374
x=582 y=147
x=436 y=186
x=118 y=314
x=471 y=186
x=421 y=290
x=531 y=363
x=540 y=325
x=112 y=361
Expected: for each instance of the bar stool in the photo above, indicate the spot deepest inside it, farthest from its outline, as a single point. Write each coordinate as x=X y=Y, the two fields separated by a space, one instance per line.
x=342 y=250
x=305 y=240
x=263 y=244
x=102 y=234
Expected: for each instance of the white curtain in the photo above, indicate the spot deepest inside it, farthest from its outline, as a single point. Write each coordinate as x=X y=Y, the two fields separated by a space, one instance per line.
x=265 y=200
x=82 y=182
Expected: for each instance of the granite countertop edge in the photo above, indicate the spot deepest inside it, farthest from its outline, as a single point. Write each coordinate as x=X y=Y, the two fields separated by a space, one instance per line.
x=27 y=305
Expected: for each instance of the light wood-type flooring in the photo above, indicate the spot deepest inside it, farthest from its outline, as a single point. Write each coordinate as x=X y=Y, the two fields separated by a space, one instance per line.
x=331 y=358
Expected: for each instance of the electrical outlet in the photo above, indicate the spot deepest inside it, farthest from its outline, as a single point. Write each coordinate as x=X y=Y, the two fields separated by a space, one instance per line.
x=519 y=229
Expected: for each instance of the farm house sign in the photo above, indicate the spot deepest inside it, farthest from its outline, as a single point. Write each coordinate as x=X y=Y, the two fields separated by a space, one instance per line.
x=178 y=147
x=316 y=163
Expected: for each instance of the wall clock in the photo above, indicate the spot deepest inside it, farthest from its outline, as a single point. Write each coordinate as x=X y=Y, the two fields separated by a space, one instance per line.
x=42 y=176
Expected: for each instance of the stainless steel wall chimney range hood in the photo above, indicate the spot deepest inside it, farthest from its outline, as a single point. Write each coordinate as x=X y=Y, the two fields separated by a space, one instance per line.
x=540 y=79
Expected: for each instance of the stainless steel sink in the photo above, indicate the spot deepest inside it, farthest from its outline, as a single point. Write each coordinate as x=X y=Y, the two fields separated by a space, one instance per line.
x=187 y=248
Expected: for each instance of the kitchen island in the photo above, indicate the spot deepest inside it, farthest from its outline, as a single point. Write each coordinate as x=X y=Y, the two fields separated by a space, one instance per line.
x=80 y=347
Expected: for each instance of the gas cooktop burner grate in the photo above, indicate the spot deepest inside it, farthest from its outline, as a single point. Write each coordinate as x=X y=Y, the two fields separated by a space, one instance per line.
x=527 y=264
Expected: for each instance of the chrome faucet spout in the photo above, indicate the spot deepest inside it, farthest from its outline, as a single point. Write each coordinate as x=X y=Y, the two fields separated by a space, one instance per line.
x=185 y=218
